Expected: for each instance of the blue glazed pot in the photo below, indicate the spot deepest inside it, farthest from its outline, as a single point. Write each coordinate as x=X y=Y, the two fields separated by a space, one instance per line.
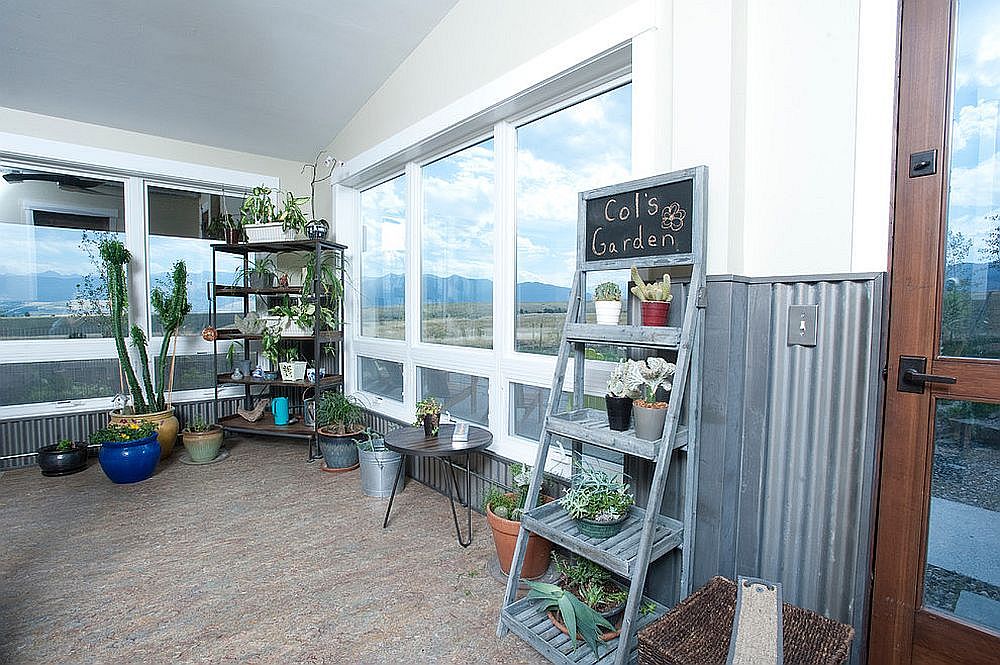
x=130 y=461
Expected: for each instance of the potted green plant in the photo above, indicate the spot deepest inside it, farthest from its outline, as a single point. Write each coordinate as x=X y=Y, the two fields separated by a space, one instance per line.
x=129 y=451
x=293 y=220
x=257 y=215
x=239 y=368
x=379 y=466
x=341 y=421
x=597 y=501
x=107 y=296
x=292 y=367
x=623 y=387
x=608 y=303
x=429 y=415
x=593 y=585
x=297 y=319
x=318 y=228
x=655 y=299
x=326 y=271
x=503 y=514
x=579 y=620
x=649 y=413
x=202 y=440
x=260 y=273
x=62 y=458
x=270 y=348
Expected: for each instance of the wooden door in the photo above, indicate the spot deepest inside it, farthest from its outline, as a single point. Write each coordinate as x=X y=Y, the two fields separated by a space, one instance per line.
x=936 y=596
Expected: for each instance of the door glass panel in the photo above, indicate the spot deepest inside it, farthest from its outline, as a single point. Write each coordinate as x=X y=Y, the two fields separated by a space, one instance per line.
x=962 y=573
x=970 y=311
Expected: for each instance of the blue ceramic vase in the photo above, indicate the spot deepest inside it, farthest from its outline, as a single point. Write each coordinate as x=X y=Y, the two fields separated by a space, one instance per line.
x=130 y=461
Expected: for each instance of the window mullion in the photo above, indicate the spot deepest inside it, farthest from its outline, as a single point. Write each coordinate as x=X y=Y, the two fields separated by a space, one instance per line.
x=411 y=307
x=504 y=268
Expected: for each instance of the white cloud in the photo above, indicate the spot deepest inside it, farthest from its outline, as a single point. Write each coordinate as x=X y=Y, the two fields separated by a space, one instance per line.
x=979 y=121
x=977 y=186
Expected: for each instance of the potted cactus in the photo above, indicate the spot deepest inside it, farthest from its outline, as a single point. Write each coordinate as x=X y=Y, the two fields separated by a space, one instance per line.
x=608 y=303
x=650 y=413
x=623 y=387
x=655 y=299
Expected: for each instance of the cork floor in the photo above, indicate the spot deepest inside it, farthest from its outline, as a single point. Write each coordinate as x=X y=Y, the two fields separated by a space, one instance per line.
x=261 y=558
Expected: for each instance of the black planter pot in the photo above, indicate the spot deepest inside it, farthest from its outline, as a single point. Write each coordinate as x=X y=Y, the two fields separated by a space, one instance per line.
x=53 y=462
x=619 y=412
x=431 y=423
x=258 y=281
x=234 y=236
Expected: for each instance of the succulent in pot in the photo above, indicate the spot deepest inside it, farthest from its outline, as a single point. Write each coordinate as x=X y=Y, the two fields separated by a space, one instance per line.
x=623 y=387
x=650 y=413
x=503 y=513
x=608 y=303
x=598 y=501
x=428 y=414
x=341 y=425
x=62 y=458
x=575 y=618
x=655 y=298
x=202 y=440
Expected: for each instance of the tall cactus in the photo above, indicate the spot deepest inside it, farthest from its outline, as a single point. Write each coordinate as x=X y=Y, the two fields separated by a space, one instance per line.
x=114 y=258
x=172 y=308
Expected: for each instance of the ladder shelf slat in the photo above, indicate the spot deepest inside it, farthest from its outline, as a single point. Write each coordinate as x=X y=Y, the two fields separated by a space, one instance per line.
x=591 y=426
x=653 y=337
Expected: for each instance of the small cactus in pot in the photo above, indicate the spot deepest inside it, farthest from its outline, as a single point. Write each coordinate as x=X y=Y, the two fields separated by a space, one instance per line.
x=655 y=298
x=608 y=303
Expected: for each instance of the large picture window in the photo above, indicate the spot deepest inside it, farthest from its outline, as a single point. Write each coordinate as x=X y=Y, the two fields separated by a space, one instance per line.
x=383 y=260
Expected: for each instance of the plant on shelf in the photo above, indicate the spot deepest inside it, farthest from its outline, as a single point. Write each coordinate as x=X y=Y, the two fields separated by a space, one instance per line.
x=318 y=228
x=650 y=414
x=598 y=501
x=270 y=345
x=299 y=318
x=341 y=421
x=327 y=272
x=147 y=398
x=292 y=367
x=608 y=303
x=624 y=385
x=257 y=208
x=291 y=216
x=655 y=298
x=129 y=451
x=580 y=620
x=428 y=414
x=62 y=458
x=503 y=513
x=592 y=584
x=259 y=274
x=202 y=440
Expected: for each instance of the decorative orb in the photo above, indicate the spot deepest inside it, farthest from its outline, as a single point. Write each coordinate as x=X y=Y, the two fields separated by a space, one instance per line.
x=209 y=334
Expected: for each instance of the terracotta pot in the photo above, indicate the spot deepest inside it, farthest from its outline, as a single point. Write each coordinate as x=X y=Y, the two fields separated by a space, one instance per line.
x=537 y=555
x=654 y=313
x=559 y=624
x=166 y=426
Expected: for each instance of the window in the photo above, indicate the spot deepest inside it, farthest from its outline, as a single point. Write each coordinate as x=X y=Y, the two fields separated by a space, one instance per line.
x=31 y=383
x=457 y=249
x=462 y=395
x=383 y=260
x=381 y=377
x=578 y=148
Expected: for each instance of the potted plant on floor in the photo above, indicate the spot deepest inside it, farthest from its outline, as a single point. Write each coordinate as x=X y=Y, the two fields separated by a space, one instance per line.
x=597 y=501
x=129 y=451
x=108 y=297
x=655 y=299
x=63 y=458
x=341 y=424
x=503 y=514
x=608 y=303
x=202 y=440
x=623 y=387
x=429 y=415
x=649 y=413
x=379 y=466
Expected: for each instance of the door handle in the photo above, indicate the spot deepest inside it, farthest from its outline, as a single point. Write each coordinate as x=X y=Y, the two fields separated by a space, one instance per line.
x=912 y=376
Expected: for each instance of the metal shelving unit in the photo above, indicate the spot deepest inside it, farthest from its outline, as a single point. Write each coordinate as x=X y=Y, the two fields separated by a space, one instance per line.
x=647 y=535
x=254 y=388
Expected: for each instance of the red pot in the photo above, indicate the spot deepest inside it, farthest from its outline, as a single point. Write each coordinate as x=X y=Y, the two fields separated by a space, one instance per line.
x=654 y=313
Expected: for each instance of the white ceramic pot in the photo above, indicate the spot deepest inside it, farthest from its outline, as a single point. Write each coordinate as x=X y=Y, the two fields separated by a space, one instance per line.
x=299 y=370
x=271 y=232
x=608 y=312
x=287 y=371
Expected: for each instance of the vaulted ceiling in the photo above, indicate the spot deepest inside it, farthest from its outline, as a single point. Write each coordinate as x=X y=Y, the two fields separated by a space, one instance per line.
x=273 y=78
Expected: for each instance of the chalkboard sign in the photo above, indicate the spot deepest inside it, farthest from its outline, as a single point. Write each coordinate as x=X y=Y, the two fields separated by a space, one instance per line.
x=652 y=221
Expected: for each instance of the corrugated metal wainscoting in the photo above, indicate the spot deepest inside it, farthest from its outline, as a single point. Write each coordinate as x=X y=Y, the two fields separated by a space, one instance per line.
x=789 y=439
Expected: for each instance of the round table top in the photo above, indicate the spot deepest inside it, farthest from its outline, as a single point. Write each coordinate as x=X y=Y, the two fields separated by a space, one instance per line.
x=413 y=441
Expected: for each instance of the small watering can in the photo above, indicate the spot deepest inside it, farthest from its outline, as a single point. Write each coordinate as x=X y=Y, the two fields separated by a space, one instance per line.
x=279 y=408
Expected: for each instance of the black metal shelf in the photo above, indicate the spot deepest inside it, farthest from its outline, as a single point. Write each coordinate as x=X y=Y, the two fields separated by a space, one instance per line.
x=277 y=247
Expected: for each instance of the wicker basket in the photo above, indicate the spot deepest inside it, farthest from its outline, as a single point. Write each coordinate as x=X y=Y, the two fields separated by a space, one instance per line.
x=697 y=630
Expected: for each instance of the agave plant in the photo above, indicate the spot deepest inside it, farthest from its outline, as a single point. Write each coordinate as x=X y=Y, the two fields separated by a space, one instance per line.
x=576 y=615
x=652 y=292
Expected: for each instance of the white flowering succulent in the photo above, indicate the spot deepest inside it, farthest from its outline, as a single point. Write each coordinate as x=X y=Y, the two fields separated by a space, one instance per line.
x=624 y=381
x=654 y=373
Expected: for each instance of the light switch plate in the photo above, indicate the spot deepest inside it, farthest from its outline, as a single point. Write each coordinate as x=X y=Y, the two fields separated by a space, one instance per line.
x=802 y=324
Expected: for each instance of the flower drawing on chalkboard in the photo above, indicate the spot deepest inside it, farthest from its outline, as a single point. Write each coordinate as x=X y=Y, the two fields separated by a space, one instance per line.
x=673 y=217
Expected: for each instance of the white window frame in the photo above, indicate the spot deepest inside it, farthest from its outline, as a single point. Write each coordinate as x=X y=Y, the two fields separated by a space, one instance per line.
x=135 y=172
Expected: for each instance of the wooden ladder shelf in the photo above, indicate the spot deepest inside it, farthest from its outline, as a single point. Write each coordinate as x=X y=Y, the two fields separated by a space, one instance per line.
x=609 y=241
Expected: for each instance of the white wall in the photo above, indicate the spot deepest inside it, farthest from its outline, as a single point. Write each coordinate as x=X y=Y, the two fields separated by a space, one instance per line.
x=790 y=104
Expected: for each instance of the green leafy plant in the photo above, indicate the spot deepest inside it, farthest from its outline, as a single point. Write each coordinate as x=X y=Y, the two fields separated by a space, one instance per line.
x=510 y=505
x=63 y=445
x=291 y=354
x=262 y=268
x=231 y=352
x=652 y=292
x=340 y=413
x=607 y=291
x=579 y=618
x=123 y=432
x=369 y=445
x=428 y=406
x=580 y=572
x=291 y=215
x=257 y=208
x=219 y=223
x=327 y=270
x=270 y=343
x=303 y=315
x=597 y=496
x=199 y=425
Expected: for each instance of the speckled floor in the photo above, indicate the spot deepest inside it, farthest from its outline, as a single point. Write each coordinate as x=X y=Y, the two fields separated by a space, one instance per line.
x=259 y=559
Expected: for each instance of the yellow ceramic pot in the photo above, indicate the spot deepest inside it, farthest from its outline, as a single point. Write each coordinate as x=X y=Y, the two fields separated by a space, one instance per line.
x=166 y=426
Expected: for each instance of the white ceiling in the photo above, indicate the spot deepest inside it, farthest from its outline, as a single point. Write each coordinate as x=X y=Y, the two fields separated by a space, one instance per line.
x=272 y=78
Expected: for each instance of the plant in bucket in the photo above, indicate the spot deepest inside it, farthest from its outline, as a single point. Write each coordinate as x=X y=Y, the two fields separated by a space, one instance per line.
x=649 y=413
x=597 y=501
x=341 y=424
x=429 y=415
x=106 y=295
x=129 y=451
x=503 y=514
x=623 y=387
x=655 y=299
x=202 y=440
x=379 y=466
x=608 y=303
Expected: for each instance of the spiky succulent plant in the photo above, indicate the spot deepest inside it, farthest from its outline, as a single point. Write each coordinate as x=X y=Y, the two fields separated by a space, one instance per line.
x=607 y=291
x=652 y=292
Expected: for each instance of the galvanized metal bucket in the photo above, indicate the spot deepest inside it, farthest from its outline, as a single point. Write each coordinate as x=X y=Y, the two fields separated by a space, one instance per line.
x=378 y=469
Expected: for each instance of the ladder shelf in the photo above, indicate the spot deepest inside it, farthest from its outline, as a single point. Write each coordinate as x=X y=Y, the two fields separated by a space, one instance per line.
x=591 y=426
